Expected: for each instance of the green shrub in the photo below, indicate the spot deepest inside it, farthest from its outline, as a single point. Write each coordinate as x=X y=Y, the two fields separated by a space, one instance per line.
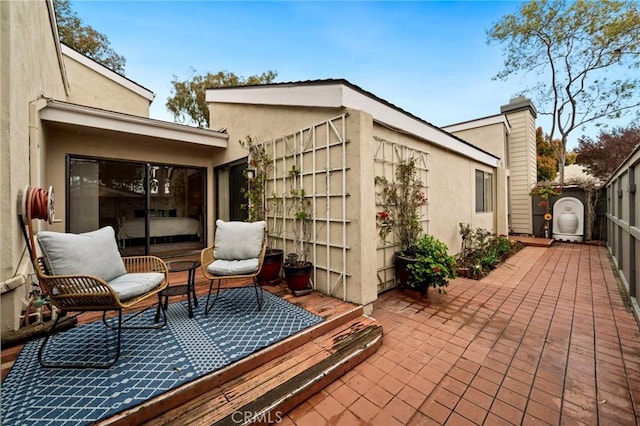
x=433 y=267
x=482 y=251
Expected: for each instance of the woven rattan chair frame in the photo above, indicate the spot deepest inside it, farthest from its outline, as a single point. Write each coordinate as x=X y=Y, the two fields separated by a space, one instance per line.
x=85 y=293
x=207 y=257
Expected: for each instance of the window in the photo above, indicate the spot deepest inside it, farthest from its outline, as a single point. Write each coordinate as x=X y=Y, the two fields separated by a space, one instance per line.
x=484 y=191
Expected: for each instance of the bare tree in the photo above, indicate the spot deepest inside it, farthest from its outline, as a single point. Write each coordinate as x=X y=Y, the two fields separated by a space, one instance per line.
x=586 y=53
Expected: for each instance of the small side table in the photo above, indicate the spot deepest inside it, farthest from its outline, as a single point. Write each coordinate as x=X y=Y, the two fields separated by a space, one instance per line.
x=189 y=288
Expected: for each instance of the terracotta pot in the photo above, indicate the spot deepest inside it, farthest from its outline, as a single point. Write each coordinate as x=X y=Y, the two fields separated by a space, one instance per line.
x=298 y=275
x=270 y=272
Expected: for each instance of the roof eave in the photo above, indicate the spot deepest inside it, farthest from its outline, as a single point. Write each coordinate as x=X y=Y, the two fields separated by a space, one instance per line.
x=480 y=122
x=79 y=115
x=107 y=73
x=343 y=95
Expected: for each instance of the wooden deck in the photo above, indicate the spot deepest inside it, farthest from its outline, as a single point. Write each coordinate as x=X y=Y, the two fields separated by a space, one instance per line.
x=268 y=383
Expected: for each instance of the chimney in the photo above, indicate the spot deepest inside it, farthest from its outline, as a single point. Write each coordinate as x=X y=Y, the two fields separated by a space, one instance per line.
x=522 y=162
x=519 y=103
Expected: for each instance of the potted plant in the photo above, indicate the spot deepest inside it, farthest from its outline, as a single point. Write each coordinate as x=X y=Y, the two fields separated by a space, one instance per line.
x=297 y=268
x=400 y=201
x=433 y=266
x=260 y=163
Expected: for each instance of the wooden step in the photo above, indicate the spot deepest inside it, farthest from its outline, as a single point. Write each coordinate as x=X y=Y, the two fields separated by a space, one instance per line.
x=533 y=241
x=295 y=354
x=264 y=394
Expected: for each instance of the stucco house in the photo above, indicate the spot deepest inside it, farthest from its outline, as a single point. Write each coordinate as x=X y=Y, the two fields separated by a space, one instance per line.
x=73 y=124
x=343 y=137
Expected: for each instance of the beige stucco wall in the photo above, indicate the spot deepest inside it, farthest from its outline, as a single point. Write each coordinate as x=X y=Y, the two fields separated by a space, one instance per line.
x=451 y=190
x=88 y=87
x=491 y=138
x=260 y=122
x=266 y=123
x=494 y=138
x=29 y=68
x=361 y=210
x=451 y=186
x=449 y=172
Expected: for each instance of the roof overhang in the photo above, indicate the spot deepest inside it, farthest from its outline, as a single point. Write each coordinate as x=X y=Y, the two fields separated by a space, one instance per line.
x=341 y=94
x=59 y=46
x=480 y=122
x=79 y=115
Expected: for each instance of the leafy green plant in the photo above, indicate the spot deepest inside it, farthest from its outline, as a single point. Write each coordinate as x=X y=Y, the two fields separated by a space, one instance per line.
x=259 y=206
x=434 y=266
x=544 y=191
x=300 y=209
x=260 y=164
x=482 y=251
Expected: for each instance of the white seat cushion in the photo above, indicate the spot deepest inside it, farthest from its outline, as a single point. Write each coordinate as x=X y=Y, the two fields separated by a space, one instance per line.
x=134 y=284
x=92 y=253
x=238 y=240
x=233 y=267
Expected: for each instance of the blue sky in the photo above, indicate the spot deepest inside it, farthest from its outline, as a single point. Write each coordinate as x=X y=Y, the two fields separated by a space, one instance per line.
x=427 y=57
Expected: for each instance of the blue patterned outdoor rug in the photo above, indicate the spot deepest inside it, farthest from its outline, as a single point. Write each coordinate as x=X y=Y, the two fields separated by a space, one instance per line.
x=151 y=361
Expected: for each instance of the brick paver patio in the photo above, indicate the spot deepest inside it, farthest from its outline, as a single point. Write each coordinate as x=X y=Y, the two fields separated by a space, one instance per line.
x=545 y=339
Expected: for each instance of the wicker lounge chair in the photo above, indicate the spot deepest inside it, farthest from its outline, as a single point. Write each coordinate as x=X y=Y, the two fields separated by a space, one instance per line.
x=85 y=272
x=238 y=253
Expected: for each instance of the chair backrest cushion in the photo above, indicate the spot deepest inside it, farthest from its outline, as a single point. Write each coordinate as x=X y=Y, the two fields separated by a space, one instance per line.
x=92 y=253
x=238 y=240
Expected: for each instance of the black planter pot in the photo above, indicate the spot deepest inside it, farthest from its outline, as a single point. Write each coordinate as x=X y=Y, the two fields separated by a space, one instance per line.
x=403 y=275
x=298 y=275
x=271 y=267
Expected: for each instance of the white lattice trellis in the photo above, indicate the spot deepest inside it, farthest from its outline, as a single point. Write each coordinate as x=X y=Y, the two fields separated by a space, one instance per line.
x=387 y=156
x=319 y=154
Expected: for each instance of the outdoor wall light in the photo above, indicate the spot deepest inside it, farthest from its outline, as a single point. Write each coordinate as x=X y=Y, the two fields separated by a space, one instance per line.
x=251 y=174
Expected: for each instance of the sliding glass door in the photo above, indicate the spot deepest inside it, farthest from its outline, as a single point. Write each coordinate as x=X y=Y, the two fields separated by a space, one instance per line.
x=230 y=182
x=153 y=208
